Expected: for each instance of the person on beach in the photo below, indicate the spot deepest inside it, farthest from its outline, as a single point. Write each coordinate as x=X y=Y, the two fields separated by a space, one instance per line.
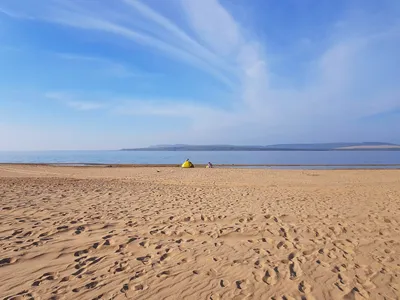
x=209 y=165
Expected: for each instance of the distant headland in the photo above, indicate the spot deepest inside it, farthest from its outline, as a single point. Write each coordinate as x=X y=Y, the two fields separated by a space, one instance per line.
x=366 y=146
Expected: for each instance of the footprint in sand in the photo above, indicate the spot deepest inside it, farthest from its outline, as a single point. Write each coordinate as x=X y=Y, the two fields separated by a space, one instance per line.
x=17 y=232
x=304 y=287
x=270 y=277
x=356 y=293
x=164 y=256
x=81 y=252
x=91 y=285
x=80 y=270
x=65 y=279
x=145 y=259
x=242 y=284
x=144 y=244
x=224 y=283
x=141 y=287
x=214 y=296
x=96 y=246
x=109 y=243
x=7 y=261
x=50 y=276
x=164 y=274
x=62 y=228
x=295 y=270
x=79 y=229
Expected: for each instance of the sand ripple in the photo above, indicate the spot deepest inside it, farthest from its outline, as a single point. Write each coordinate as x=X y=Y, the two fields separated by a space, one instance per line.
x=131 y=233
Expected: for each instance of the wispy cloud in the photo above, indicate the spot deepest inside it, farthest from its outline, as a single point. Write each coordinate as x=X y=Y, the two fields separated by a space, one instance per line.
x=205 y=16
x=232 y=56
x=85 y=105
x=11 y=14
x=159 y=107
x=112 y=68
x=73 y=102
x=185 y=41
x=114 y=21
x=201 y=117
x=185 y=108
x=341 y=82
x=80 y=57
x=167 y=37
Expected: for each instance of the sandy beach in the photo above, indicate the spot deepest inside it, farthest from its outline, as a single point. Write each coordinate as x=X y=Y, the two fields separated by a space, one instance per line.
x=171 y=233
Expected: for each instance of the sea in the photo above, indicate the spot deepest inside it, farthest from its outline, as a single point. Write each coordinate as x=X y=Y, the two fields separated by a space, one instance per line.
x=279 y=159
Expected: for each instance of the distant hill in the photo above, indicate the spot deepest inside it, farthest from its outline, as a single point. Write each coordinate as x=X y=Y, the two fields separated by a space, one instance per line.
x=280 y=147
x=372 y=147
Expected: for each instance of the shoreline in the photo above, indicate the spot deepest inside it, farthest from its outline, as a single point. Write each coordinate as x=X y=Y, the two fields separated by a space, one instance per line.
x=219 y=166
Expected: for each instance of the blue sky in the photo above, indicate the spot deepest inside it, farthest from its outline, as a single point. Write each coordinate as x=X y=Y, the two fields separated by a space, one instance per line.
x=88 y=74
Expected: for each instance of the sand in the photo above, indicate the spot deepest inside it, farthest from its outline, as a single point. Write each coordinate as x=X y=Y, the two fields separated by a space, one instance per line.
x=171 y=233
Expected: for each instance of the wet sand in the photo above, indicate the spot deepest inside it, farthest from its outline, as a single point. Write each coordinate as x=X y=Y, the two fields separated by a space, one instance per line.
x=171 y=233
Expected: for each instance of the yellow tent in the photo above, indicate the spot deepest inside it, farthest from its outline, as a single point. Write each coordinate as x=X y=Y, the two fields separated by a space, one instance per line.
x=187 y=164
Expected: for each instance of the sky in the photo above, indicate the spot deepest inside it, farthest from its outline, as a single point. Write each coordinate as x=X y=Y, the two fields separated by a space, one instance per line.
x=92 y=74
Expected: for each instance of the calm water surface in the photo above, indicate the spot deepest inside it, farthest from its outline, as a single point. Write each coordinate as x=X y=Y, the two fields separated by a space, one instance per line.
x=202 y=157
